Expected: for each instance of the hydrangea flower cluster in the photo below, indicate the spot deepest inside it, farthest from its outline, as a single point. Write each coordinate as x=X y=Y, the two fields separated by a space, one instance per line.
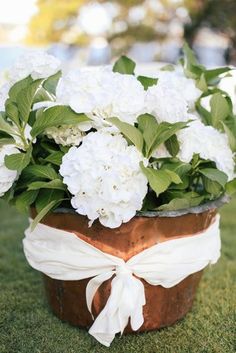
x=158 y=103
x=109 y=142
x=34 y=63
x=102 y=94
x=112 y=191
x=177 y=81
x=191 y=142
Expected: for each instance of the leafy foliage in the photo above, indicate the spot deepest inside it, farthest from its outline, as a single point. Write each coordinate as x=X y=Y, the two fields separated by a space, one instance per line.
x=173 y=184
x=221 y=114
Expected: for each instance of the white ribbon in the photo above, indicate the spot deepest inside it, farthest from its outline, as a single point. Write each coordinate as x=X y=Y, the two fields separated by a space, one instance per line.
x=64 y=256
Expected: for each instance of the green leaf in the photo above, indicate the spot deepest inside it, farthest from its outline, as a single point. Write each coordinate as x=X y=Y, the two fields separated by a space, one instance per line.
x=18 y=87
x=182 y=170
x=172 y=145
x=147 y=122
x=6 y=141
x=192 y=68
x=175 y=204
x=4 y=126
x=55 y=116
x=41 y=171
x=231 y=187
x=212 y=74
x=55 y=158
x=47 y=196
x=174 y=176
x=41 y=96
x=124 y=65
x=219 y=108
x=159 y=180
x=51 y=83
x=12 y=111
x=129 y=131
x=24 y=200
x=181 y=203
x=18 y=161
x=54 y=184
x=147 y=81
x=44 y=211
x=176 y=194
x=25 y=99
x=201 y=83
x=212 y=187
x=162 y=134
x=204 y=113
x=178 y=167
x=189 y=55
x=215 y=175
x=231 y=133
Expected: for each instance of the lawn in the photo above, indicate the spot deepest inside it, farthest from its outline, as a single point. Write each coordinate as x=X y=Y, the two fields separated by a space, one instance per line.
x=28 y=326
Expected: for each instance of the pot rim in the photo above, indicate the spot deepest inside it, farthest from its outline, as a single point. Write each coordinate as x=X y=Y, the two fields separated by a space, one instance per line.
x=215 y=204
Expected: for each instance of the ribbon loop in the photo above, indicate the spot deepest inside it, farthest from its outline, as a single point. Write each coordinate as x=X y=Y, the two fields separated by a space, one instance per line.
x=93 y=286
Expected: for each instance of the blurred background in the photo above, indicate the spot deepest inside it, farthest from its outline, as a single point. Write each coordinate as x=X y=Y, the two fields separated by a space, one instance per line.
x=96 y=32
x=83 y=32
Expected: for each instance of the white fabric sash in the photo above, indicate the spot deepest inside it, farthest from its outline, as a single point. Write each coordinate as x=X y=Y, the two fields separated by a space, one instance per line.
x=64 y=256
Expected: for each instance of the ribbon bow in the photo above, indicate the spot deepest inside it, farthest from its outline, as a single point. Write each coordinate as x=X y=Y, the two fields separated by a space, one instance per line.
x=126 y=301
x=64 y=256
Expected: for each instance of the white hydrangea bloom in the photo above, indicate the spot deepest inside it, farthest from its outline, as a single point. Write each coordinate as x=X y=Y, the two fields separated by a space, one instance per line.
x=105 y=178
x=7 y=176
x=36 y=63
x=166 y=103
x=101 y=94
x=66 y=135
x=177 y=81
x=209 y=143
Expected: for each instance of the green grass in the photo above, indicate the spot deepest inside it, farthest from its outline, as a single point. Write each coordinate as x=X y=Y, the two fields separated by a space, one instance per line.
x=28 y=326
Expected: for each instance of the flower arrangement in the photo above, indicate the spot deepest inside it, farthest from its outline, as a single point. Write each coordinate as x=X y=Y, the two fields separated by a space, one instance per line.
x=109 y=143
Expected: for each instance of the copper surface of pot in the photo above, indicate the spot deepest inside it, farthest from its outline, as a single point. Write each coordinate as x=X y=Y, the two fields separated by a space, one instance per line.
x=163 y=306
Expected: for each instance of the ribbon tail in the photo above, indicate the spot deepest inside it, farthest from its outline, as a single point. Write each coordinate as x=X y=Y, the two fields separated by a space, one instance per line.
x=126 y=301
x=137 y=319
x=93 y=286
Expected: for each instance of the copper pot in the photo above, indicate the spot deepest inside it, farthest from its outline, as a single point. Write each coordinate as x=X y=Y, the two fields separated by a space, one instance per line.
x=163 y=306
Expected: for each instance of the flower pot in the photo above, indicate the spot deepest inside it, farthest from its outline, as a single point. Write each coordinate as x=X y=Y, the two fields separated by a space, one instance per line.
x=164 y=306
